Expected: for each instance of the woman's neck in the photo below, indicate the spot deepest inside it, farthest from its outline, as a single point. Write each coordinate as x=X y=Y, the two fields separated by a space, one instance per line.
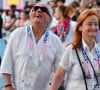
x=24 y=19
x=12 y=16
x=90 y=43
x=62 y=19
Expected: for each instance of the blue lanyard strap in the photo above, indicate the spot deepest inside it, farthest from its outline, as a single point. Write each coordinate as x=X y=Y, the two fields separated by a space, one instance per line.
x=29 y=31
x=85 y=55
x=46 y=35
x=88 y=63
x=44 y=41
x=98 y=51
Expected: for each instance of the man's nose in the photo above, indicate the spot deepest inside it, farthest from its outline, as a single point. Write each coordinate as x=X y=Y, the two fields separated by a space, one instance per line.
x=39 y=10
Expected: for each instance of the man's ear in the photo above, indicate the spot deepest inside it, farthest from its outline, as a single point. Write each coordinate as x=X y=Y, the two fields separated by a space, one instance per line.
x=49 y=19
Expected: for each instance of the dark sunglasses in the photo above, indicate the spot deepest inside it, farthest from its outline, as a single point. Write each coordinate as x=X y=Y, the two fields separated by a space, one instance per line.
x=43 y=9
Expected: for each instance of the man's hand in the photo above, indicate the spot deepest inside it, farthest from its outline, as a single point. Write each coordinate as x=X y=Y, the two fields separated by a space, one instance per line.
x=10 y=88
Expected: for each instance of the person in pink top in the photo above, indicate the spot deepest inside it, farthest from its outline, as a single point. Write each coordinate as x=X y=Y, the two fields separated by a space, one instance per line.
x=22 y=21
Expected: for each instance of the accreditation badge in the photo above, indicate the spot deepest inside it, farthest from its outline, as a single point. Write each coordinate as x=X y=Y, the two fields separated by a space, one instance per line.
x=97 y=86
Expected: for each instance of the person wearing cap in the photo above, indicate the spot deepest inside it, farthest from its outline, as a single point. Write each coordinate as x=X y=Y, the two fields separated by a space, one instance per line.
x=32 y=52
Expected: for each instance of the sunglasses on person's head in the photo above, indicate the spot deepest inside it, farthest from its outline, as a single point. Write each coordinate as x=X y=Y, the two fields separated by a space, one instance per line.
x=43 y=9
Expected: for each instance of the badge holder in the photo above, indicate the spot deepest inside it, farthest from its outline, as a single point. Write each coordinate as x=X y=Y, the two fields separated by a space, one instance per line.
x=97 y=86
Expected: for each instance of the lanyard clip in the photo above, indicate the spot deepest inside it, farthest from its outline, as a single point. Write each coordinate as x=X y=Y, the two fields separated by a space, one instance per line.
x=97 y=85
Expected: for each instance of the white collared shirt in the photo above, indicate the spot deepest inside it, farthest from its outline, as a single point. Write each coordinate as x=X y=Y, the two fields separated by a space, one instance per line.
x=18 y=53
x=69 y=60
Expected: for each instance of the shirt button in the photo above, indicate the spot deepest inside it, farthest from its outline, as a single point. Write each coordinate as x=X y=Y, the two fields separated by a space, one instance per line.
x=22 y=80
x=29 y=83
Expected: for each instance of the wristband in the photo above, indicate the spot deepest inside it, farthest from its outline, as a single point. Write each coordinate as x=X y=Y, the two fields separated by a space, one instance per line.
x=8 y=85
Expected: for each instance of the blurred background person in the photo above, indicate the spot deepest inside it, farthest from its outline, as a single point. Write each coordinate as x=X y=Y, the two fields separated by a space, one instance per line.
x=13 y=7
x=27 y=9
x=5 y=15
x=71 y=13
x=52 y=4
x=54 y=20
x=65 y=27
x=8 y=25
x=60 y=2
x=22 y=21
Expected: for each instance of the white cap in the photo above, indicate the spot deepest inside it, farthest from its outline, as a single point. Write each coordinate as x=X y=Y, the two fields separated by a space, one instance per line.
x=47 y=6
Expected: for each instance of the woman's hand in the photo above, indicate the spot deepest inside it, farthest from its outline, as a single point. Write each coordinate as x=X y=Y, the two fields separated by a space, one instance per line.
x=58 y=78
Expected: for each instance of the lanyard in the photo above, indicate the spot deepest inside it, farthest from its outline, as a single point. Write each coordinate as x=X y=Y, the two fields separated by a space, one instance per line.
x=98 y=52
x=0 y=60
x=44 y=41
x=88 y=61
x=89 y=64
x=30 y=37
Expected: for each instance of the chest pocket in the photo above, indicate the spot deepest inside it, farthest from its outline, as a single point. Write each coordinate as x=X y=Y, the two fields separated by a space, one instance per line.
x=49 y=54
x=22 y=56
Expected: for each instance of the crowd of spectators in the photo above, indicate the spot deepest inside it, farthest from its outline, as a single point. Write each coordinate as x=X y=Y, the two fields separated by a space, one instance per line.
x=12 y=17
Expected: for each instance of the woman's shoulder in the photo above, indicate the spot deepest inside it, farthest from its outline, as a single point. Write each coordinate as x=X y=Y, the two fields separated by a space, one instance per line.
x=72 y=25
x=17 y=22
x=72 y=22
x=69 y=47
x=27 y=22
